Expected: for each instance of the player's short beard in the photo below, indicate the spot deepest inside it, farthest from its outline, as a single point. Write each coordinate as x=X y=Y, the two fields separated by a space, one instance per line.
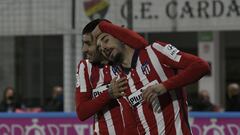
x=98 y=58
x=118 y=59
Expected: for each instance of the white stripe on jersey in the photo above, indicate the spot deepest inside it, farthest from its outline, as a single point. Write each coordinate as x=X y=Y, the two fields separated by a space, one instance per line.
x=82 y=80
x=109 y=122
x=176 y=112
x=101 y=77
x=120 y=105
x=108 y=116
x=139 y=109
x=157 y=66
x=89 y=66
x=96 y=115
x=107 y=113
x=158 y=116
x=96 y=124
x=91 y=130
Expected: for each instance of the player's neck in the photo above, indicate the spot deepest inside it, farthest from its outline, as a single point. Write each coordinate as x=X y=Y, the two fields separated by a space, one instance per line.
x=127 y=58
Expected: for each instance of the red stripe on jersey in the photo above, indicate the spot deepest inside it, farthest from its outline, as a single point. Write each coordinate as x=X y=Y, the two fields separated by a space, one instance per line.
x=113 y=106
x=130 y=125
x=182 y=97
x=107 y=75
x=128 y=115
x=94 y=76
x=86 y=75
x=194 y=68
x=168 y=113
x=147 y=108
x=102 y=124
x=102 y=121
x=138 y=85
x=165 y=100
x=116 y=117
x=93 y=106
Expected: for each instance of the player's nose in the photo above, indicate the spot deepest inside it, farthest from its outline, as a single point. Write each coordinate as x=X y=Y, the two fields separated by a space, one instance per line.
x=84 y=49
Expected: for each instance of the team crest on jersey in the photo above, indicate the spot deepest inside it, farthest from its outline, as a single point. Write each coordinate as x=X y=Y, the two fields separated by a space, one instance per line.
x=145 y=68
x=116 y=70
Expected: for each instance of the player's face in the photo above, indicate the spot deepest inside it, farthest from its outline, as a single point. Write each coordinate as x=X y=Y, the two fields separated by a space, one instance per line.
x=110 y=47
x=89 y=49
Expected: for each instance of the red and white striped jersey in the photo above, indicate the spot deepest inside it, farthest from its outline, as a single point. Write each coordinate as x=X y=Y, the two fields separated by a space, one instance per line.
x=92 y=98
x=159 y=63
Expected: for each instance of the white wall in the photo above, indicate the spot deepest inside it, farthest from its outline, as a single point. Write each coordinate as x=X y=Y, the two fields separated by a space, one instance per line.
x=30 y=17
x=185 y=15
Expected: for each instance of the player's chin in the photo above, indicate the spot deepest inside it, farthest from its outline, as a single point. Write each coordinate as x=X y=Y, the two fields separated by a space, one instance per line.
x=118 y=58
x=112 y=57
x=90 y=59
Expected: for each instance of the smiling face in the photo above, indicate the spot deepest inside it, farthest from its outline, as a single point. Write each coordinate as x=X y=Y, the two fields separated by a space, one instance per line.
x=111 y=48
x=89 y=49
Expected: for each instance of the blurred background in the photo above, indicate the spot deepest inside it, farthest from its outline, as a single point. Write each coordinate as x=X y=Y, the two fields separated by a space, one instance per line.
x=40 y=47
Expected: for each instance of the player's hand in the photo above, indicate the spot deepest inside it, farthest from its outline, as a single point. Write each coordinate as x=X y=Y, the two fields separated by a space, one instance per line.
x=152 y=92
x=117 y=87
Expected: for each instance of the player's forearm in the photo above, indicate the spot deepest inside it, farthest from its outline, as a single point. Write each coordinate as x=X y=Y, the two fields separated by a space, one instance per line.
x=86 y=109
x=192 y=73
x=123 y=34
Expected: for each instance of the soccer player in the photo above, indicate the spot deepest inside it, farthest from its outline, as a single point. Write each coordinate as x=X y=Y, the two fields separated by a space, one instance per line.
x=154 y=87
x=93 y=97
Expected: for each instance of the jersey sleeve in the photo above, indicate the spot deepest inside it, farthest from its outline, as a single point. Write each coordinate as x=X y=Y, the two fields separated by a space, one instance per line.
x=85 y=105
x=125 y=35
x=192 y=67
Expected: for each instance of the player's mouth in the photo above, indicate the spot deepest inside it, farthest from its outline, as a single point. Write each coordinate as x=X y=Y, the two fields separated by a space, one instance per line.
x=89 y=56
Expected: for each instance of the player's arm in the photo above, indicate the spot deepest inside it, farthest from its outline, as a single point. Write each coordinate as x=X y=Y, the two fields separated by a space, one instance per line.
x=85 y=105
x=192 y=67
x=125 y=35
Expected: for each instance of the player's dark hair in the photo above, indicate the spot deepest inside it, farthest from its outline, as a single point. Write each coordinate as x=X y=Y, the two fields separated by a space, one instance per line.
x=91 y=25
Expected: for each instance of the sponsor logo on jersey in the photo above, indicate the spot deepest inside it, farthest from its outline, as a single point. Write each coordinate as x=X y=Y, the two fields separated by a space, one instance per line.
x=171 y=52
x=135 y=99
x=97 y=91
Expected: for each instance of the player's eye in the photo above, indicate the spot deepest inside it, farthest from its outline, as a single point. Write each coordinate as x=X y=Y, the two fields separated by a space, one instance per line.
x=106 y=40
x=99 y=48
